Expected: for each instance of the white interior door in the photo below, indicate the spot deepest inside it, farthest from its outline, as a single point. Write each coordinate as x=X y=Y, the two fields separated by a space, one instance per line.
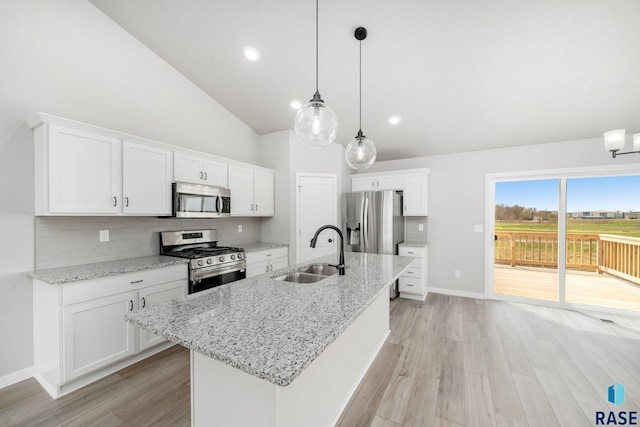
x=316 y=206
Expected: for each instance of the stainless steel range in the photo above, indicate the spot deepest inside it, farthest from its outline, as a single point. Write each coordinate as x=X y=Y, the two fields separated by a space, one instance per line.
x=211 y=265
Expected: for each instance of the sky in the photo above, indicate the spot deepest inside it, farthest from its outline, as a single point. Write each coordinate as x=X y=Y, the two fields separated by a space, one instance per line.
x=619 y=193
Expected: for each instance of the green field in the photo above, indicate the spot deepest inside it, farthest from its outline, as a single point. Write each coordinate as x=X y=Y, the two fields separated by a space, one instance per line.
x=620 y=227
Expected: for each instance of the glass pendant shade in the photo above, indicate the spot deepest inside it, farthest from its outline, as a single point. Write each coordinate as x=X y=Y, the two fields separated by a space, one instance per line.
x=360 y=152
x=316 y=125
x=636 y=142
x=614 y=140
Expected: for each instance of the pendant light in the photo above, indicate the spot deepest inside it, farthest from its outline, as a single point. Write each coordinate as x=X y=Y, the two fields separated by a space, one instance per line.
x=361 y=151
x=316 y=125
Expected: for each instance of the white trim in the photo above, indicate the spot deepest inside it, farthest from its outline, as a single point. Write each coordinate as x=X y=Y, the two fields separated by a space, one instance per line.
x=16 y=377
x=335 y=211
x=457 y=293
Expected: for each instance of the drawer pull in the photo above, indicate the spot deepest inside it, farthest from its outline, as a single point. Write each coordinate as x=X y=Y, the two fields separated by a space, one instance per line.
x=409 y=252
x=144 y=302
x=409 y=272
x=137 y=281
x=130 y=305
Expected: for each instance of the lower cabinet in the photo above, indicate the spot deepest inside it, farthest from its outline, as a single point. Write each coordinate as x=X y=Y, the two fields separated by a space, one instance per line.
x=260 y=262
x=412 y=283
x=80 y=332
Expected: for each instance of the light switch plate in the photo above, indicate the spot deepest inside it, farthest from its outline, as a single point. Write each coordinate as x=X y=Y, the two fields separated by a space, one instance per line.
x=104 y=235
x=478 y=228
x=420 y=227
x=239 y=228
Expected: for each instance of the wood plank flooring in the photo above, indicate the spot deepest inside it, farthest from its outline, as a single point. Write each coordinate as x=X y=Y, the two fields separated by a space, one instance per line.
x=449 y=361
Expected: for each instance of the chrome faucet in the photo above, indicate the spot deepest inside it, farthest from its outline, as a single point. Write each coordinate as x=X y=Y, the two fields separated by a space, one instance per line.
x=340 y=265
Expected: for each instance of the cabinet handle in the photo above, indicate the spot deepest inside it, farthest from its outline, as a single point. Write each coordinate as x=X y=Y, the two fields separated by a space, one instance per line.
x=373 y=183
x=201 y=175
x=411 y=286
x=272 y=267
x=410 y=252
x=205 y=176
x=266 y=268
x=252 y=207
x=409 y=272
x=126 y=202
x=377 y=183
x=256 y=208
x=115 y=201
x=137 y=281
x=130 y=305
x=144 y=302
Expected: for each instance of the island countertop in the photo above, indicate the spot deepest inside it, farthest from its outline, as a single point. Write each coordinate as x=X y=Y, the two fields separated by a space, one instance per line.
x=269 y=328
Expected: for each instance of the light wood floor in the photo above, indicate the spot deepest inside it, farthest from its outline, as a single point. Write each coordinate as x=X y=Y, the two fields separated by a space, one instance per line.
x=449 y=361
x=582 y=287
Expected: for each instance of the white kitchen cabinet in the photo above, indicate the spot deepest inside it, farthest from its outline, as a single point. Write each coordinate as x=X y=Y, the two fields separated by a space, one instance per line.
x=80 y=332
x=146 y=179
x=77 y=172
x=199 y=170
x=154 y=295
x=374 y=182
x=412 y=283
x=96 y=335
x=252 y=191
x=415 y=193
x=259 y=262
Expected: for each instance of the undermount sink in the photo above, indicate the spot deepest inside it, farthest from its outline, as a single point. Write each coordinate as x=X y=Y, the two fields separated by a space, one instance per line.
x=309 y=274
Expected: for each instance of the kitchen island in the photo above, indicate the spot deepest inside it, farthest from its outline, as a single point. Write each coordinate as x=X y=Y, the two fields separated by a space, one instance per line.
x=273 y=353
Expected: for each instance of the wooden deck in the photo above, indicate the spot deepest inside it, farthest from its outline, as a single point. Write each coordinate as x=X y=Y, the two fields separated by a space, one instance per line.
x=581 y=287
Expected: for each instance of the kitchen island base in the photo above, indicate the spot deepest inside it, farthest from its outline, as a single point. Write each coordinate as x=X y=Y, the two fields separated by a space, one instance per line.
x=225 y=396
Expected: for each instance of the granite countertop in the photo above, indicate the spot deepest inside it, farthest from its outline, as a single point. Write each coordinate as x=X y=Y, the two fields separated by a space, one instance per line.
x=260 y=246
x=76 y=273
x=414 y=244
x=269 y=328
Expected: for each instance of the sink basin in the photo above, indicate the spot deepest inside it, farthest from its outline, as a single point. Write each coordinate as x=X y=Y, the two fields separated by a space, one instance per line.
x=321 y=269
x=299 y=277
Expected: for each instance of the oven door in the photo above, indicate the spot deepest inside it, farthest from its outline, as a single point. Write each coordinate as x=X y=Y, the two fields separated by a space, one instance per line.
x=200 y=201
x=204 y=278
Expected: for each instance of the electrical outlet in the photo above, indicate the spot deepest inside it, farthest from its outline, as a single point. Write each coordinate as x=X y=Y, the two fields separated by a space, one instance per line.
x=420 y=227
x=456 y=274
x=104 y=235
x=239 y=228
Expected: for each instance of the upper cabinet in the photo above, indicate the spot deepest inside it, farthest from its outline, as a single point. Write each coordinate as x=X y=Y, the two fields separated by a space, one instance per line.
x=199 y=170
x=252 y=191
x=412 y=182
x=77 y=172
x=146 y=179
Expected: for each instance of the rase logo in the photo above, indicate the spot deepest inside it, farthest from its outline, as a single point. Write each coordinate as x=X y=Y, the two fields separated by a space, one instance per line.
x=615 y=395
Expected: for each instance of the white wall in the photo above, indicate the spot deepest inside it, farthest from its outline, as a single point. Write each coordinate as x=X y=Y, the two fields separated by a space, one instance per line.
x=67 y=58
x=457 y=200
x=284 y=152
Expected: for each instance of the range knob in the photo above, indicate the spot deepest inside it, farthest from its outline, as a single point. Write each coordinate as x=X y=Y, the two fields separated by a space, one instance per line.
x=209 y=260
x=200 y=263
x=240 y=256
x=233 y=257
x=221 y=259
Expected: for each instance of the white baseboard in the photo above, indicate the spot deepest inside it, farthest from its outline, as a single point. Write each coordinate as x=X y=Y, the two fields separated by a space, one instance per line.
x=457 y=293
x=16 y=377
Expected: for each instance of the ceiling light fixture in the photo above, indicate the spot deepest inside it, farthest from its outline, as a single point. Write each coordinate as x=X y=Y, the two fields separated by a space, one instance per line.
x=361 y=151
x=316 y=124
x=251 y=53
x=614 y=141
x=394 y=120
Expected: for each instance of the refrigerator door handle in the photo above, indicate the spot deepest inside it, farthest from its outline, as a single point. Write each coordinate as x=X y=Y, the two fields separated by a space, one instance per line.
x=365 y=223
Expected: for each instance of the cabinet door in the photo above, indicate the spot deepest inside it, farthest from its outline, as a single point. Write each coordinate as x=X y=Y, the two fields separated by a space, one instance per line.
x=415 y=194
x=187 y=168
x=147 y=176
x=257 y=268
x=155 y=295
x=215 y=173
x=389 y=182
x=367 y=183
x=263 y=193
x=278 y=263
x=241 y=186
x=96 y=335
x=85 y=175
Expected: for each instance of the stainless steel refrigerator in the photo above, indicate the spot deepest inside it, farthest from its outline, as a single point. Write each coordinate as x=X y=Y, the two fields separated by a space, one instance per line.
x=373 y=223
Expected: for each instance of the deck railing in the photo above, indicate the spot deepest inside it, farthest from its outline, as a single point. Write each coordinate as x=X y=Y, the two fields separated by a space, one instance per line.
x=615 y=255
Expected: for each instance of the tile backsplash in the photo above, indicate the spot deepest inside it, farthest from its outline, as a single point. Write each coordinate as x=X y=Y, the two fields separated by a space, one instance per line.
x=62 y=241
x=411 y=229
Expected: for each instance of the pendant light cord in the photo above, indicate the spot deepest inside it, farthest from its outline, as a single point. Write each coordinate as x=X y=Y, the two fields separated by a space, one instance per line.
x=316 y=45
x=360 y=122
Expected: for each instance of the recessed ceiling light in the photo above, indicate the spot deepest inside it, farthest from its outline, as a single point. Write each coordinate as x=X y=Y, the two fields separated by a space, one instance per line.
x=394 y=120
x=295 y=104
x=251 y=53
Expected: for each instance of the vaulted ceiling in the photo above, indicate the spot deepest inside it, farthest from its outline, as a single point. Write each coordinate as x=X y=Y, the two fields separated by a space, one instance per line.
x=463 y=74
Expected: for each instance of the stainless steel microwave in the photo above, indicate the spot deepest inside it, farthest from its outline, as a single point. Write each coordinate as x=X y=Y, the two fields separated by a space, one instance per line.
x=200 y=201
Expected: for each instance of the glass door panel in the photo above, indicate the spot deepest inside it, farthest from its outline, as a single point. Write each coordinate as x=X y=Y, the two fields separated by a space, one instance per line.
x=526 y=239
x=603 y=242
